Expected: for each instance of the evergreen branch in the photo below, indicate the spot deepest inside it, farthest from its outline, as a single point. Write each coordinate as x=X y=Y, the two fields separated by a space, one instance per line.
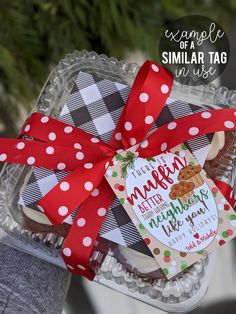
x=127 y=163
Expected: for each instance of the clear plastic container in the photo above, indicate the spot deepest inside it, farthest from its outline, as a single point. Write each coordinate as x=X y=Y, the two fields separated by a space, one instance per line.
x=180 y=294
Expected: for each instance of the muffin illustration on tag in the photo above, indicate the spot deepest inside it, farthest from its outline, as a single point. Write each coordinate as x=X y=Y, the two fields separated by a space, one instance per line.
x=182 y=190
x=191 y=174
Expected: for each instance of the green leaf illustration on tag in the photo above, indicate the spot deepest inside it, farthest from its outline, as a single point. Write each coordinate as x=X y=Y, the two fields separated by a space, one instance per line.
x=151 y=159
x=127 y=162
x=118 y=157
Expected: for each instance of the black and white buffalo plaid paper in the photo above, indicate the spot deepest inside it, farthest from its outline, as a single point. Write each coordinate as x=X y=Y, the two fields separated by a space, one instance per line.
x=95 y=106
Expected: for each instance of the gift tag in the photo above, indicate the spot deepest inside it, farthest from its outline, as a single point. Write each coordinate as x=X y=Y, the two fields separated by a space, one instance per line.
x=175 y=206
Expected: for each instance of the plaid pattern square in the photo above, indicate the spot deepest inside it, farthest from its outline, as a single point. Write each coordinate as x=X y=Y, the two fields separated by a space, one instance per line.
x=95 y=106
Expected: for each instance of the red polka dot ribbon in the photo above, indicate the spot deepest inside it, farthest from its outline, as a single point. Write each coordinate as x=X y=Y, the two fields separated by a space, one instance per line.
x=56 y=145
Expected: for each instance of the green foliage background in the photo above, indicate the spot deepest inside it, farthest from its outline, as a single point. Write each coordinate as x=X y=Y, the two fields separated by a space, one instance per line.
x=36 y=34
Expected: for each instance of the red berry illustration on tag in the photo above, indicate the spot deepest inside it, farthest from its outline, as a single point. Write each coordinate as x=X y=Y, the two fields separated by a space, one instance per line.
x=227 y=233
x=116 y=186
x=121 y=188
x=167 y=257
x=230 y=232
x=221 y=242
x=226 y=207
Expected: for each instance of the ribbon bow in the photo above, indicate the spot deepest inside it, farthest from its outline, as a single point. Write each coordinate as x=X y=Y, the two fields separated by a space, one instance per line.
x=60 y=146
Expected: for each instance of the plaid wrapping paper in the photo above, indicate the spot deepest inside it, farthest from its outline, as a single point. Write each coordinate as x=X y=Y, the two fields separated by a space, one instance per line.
x=95 y=106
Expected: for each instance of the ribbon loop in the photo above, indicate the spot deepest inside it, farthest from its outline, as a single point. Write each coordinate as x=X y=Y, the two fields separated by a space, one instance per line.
x=50 y=130
x=147 y=98
x=73 y=190
x=180 y=130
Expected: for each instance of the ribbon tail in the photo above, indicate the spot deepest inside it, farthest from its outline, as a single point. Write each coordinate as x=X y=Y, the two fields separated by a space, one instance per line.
x=49 y=130
x=68 y=194
x=79 y=244
x=227 y=191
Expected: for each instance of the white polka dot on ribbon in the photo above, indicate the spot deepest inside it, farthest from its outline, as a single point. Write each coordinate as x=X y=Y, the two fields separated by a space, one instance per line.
x=50 y=150
x=144 y=144
x=67 y=251
x=87 y=241
x=88 y=186
x=149 y=119
x=81 y=222
x=79 y=156
x=61 y=166
x=44 y=119
x=155 y=68
x=164 y=89
x=143 y=97
x=95 y=140
x=64 y=186
x=31 y=160
x=101 y=212
x=163 y=147
x=20 y=145
x=206 y=115
x=77 y=146
x=95 y=192
x=81 y=267
x=88 y=165
x=68 y=129
x=172 y=125
x=27 y=128
x=132 y=141
x=62 y=210
x=52 y=136
x=193 y=131
x=229 y=124
x=128 y=126
x=118 y=136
